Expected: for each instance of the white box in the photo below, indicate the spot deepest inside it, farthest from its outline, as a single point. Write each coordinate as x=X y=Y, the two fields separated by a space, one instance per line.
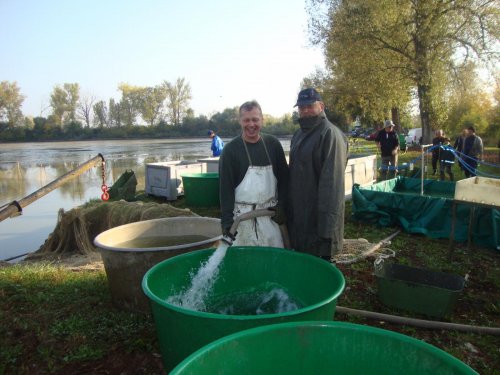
x=480 y=190
x=164 y=179
x=212 y=164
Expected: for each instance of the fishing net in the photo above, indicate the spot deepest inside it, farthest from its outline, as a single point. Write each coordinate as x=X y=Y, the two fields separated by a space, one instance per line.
x=355 y=250
x=76 y=229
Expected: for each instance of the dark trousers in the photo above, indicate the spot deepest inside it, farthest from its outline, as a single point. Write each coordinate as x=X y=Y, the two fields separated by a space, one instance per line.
x=389 y=165
x=445 y=168
x=435 y=158
x=470 y=167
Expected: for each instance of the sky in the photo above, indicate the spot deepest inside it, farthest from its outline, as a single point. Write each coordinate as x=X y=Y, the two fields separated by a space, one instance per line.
x=229 y=51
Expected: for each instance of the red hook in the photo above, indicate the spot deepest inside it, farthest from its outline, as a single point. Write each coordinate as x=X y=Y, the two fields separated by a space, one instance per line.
x=105 y=194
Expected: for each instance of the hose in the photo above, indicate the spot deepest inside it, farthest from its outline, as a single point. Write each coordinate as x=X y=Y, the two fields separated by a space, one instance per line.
x=249 y=215
x=431 y=324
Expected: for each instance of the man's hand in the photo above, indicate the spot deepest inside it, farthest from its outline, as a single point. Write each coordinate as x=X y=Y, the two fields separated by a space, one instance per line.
x=279 y=214
x=324 y=246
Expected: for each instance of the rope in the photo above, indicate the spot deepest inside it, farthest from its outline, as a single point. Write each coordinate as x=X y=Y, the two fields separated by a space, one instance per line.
x=379 y=262
x=460 y=158
x=356 y=250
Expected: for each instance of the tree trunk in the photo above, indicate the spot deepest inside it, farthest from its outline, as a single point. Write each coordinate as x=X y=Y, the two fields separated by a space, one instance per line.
x=396 y=120
x=425 y=106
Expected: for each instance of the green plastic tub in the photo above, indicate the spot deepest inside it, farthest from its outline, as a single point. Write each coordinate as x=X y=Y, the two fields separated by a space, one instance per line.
x=300 y=348
x=201 y=189
x=419 y=290
x=314 y=283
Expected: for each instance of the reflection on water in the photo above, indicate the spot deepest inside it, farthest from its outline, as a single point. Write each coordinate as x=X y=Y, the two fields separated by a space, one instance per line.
x=26 y=167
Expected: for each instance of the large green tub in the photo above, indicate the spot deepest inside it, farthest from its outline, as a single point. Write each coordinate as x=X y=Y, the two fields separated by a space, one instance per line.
x=315 y=283
x=201 y=189
x=320 y=348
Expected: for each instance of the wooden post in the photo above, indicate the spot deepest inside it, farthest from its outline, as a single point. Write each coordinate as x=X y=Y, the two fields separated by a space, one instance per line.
x=15 y=208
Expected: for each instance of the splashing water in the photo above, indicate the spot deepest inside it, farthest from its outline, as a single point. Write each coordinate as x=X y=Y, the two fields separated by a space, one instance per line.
x=202 y=283
x=276 y=301
x=266 y=298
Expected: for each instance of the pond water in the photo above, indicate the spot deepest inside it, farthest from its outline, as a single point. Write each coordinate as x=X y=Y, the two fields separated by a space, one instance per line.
x=26 y=167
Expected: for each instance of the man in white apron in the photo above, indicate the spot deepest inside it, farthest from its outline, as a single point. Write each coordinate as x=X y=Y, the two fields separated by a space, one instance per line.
x=253 y=174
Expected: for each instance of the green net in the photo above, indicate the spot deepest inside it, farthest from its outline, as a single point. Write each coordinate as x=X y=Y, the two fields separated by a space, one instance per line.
x=76 y=229
x=398 y=202
x=124 y=187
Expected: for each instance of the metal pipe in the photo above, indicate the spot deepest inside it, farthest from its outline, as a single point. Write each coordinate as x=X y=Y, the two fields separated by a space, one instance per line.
x=423 y=169
x=16 y=207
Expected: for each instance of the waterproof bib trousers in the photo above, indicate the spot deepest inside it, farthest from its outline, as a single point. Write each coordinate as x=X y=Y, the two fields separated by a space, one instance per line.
x=257 y=190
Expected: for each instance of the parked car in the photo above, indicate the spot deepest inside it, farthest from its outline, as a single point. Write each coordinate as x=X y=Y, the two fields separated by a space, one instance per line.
x=372 y=136
x=413 y=137
x=355 y=133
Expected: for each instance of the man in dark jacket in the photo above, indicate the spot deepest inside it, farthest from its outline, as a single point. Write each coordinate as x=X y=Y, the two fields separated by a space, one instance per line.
x=459 y=146
x=473 y=150
x=316 y=195
x=446 y=160
x=437 y=141
x=253 y=174
x=388 y=143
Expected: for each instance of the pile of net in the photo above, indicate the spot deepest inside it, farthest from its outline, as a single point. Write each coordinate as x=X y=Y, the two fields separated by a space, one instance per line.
x=76 y=229
x=355 y=250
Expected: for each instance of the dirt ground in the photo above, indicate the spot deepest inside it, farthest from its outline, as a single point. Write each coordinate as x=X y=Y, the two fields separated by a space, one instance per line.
x=75 y=262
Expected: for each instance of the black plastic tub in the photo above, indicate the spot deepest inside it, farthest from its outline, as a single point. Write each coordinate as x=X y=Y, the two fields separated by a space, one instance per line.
x=417 y=289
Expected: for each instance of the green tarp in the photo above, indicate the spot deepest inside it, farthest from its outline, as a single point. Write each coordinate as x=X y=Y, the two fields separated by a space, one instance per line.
x=124 y=187
x=398 y=202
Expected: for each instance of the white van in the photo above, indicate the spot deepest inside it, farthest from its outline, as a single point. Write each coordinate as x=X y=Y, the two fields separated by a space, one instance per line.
x=413 y=137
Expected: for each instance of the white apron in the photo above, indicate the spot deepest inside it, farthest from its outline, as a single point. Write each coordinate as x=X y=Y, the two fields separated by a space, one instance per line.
x=257 y=190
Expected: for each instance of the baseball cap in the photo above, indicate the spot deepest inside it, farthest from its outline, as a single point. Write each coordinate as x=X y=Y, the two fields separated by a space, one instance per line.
x=308 y=96
x=210 y=132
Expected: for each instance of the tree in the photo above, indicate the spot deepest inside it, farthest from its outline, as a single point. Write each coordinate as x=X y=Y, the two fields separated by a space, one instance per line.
x=151 y=103
x=100 y=114
x=64 y=101
x=85 y=106
x=115 y=113
x=130 y=103
x=226 y=122
x=178 y=96
x=11 y=101
x=424 y=40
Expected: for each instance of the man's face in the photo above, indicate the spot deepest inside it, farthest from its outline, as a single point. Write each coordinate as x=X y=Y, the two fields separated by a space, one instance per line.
x=388 y=129
x=251 y=122
x=311 y=110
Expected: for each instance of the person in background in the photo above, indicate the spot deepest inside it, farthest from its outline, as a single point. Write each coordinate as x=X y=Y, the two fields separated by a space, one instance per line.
x=473 y=149
x=217 y=143
x=316 y=196
x=437 y=141
x=253 y=174
x=459 y=146
x=446 y=160
x=388 y=143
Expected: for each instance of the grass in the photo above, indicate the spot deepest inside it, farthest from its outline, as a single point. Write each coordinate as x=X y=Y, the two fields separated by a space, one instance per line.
x=53 y=321
x=57 y=321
